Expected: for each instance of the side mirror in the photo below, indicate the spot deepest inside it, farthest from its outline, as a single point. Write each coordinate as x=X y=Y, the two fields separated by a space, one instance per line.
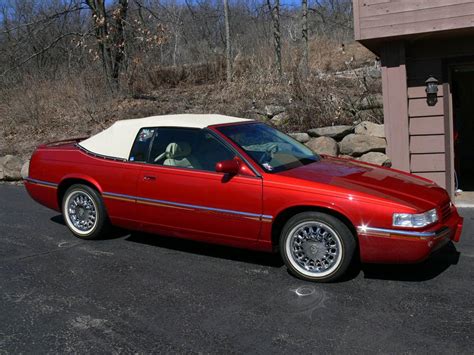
x=231 y=166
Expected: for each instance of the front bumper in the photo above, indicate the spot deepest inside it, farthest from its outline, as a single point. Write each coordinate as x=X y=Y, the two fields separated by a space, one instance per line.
x=379 y=245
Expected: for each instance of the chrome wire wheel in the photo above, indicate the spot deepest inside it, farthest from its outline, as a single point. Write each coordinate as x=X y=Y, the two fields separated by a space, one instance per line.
x=314 y=249
x=81 y=212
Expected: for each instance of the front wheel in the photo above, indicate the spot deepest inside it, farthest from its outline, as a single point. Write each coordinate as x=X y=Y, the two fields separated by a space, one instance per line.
x=84 y=212
x=316 y=246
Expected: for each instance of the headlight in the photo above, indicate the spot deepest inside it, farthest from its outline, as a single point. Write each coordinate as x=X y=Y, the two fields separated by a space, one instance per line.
x=415 y=220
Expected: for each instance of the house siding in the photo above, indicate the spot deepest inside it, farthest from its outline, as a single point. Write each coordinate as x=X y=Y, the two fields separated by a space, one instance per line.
x=426 y=123
x=390 y=18
x=429 y=125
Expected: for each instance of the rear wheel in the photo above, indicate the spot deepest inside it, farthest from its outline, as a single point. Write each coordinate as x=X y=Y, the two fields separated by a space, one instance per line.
x=84 y=212
x=316 y=246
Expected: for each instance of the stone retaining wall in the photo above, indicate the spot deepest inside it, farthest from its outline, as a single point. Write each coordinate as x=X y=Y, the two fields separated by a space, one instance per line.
x=364 y=141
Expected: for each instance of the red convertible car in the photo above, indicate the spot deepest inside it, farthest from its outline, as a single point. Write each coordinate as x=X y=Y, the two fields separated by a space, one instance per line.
x=242 y=183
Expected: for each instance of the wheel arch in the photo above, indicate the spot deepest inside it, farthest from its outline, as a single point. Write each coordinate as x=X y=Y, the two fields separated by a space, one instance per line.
x=68 y=181
x=286 y=214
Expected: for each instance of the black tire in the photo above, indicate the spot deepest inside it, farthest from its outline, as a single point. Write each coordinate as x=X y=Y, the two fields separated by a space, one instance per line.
x=95 y=217
x=336 y=248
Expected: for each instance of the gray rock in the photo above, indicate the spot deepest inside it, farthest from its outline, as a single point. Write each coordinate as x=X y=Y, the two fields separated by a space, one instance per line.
x=25 y=170
x=323 y=145
x=300 y=137
x=358 y=144
x=370 y=129
x=376 y=158
x=280 y=119
x=371 y=102
x=336 y=132
x=273 y=110
x=11 y=167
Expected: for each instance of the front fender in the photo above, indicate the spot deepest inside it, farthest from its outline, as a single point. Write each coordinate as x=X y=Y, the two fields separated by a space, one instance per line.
x=322 y=205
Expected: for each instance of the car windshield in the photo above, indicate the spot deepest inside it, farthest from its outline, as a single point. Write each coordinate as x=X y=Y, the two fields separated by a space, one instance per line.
x=273 y=150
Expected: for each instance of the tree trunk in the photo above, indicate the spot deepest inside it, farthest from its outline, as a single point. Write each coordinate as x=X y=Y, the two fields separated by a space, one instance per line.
x=119 y=42
x=228 y=48
x=275 y=14
x=111 y=47
x=175 y=49
x=101 y=33
x=304 y=34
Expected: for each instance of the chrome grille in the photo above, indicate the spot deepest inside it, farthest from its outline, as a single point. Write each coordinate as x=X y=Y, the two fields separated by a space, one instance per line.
x=446 y=210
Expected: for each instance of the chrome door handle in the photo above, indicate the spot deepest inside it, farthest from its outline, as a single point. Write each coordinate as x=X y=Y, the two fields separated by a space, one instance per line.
x=149 y=178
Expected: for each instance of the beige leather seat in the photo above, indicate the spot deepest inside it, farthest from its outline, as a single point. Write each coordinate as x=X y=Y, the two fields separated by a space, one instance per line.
x=178 y=154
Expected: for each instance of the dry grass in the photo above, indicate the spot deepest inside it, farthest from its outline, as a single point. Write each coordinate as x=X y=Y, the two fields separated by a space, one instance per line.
x=327 y=55
x=40 y=110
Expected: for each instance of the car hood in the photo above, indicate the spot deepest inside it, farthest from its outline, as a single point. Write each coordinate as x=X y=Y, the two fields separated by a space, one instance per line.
x=390 y=184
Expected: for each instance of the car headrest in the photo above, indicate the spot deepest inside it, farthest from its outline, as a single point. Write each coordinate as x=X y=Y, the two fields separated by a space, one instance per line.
x=178 y=150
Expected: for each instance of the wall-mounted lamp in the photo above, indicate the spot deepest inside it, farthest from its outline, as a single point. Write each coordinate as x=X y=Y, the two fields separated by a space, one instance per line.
x=431 y=90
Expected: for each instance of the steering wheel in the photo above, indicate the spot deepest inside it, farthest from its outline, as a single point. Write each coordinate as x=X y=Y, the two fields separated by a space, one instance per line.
x=269 y=153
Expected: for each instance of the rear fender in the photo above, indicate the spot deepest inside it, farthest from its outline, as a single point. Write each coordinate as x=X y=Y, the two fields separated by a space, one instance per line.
x=71 y=179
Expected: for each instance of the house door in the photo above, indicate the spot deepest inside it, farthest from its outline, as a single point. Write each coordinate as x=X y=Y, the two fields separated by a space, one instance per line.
x=463 y=126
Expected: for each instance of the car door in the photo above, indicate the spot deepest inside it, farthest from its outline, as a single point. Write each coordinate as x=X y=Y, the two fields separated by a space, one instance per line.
x=179 y=191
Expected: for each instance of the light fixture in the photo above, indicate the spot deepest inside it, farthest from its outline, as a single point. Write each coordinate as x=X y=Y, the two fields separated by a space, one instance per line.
x=431 y=90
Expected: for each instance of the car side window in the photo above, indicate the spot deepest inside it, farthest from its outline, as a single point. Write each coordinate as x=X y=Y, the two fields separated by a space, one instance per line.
x=187 y=148
x=141 y=145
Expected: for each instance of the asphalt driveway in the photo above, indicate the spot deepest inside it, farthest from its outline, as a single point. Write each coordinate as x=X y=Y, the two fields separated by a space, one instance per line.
x=144 y=293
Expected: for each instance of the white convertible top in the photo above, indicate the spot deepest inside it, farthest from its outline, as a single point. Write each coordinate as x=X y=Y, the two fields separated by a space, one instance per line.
x=116 y=141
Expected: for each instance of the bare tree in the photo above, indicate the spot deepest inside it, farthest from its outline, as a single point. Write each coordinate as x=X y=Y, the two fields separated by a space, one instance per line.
x=304 y=34
x=110 y=36
x=228 y=48
x=138 y=39
x=275 y=15
x=34 y=35
x=335 y=18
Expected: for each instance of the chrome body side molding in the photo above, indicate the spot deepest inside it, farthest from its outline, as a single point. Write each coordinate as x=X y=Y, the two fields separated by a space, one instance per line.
x=164 y=203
